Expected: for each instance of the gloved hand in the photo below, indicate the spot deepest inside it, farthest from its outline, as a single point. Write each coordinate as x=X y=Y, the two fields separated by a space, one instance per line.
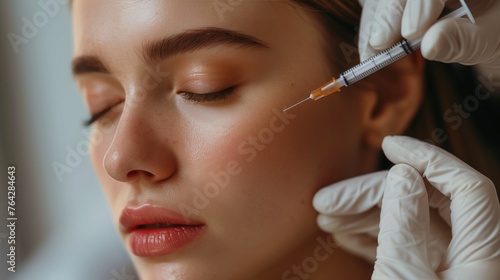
x=412 y=243
x=383 y=22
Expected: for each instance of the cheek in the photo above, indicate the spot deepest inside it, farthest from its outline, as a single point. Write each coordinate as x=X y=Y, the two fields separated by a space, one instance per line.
x=260 y=169
x=262 y=162
x=301 y=150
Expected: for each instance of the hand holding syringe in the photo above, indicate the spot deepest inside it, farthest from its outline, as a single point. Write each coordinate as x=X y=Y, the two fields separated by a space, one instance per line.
x=377 y=62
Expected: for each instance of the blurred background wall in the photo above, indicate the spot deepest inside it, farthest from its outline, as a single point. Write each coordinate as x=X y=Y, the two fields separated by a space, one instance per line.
x=64 y=229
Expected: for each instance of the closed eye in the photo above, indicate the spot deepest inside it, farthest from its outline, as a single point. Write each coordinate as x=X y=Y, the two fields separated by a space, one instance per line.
x=207 y=97
x=95 y=117
x=190 y=96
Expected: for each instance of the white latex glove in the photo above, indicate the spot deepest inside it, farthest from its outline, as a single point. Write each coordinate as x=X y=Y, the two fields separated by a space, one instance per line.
x=412 y=244
x=384 y=22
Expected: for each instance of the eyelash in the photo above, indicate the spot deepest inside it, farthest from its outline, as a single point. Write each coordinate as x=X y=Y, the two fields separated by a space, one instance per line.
x=190 y=96
x=95 y=117
x=207 y=97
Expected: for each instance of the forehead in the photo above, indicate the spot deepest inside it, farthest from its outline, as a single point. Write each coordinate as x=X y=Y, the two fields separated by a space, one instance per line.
x=123 y=22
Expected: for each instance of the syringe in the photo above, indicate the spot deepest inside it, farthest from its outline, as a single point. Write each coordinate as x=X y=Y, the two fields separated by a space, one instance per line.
x=377 y=62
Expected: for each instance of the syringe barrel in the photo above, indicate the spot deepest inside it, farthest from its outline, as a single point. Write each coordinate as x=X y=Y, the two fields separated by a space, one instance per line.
x=379 y=61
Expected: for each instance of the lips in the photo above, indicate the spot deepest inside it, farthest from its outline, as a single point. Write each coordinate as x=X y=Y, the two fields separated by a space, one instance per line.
x=157 y=231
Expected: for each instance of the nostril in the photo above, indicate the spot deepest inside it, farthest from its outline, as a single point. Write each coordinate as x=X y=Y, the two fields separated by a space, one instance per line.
x=135 y=174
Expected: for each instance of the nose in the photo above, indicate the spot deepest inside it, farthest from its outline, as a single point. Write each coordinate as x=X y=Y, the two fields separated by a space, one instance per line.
x=141 y=148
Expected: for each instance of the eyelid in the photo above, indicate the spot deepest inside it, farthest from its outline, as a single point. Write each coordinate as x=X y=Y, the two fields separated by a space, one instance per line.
x=208 y=97
x=94 y=117
x=205 y=85
x=100 y=90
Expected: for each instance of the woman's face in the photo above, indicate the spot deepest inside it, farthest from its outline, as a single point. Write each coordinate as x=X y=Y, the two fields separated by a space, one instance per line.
x=196 y=135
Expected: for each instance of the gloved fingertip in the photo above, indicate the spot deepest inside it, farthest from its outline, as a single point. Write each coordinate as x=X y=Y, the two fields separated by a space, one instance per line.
x=361 y=52
x=434 y=46
x=403 y=180
x=321 y=220
x=366 y=53
x=387 y=138
x=319 y=203
x=408 y=28
x=399 y=171
x=380 y=40
x=418 y=17
x=389 y=141
x=326 y=223
x=404 y=149
x=363 y=56
x=324 y=201
x=410 y=33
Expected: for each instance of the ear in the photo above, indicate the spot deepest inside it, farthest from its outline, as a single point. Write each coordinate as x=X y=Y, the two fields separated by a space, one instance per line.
x=397 y=92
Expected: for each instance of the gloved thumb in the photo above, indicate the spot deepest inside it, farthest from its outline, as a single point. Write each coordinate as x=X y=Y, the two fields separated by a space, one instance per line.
x=404 y=228
x=459 y=40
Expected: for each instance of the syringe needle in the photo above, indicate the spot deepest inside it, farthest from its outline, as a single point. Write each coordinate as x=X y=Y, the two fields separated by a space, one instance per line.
x=296 y=104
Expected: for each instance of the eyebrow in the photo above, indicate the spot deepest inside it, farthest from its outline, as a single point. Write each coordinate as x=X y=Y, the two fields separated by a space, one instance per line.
x=87 y=64
x=185 y=42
